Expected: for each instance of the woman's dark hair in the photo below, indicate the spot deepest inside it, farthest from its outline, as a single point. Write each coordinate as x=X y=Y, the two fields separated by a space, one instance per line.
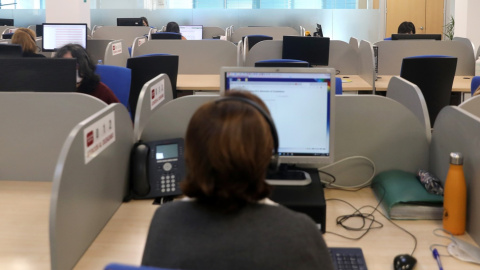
x=172 y=27
x=144 y=20
x=406 y=28
x=86 y=67
x=228 y=147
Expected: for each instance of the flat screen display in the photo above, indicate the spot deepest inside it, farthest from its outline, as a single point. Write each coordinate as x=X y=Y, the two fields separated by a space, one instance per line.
x=6 y=22
x=166 y=151
x=192 y=32
x=56 y=35
x=314 y=50
x=129 y=22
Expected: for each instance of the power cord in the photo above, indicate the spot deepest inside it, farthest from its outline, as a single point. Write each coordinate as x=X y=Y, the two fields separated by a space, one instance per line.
x=341 y=166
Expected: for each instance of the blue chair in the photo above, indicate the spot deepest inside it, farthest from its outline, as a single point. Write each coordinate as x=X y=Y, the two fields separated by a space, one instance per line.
x=388 y=38
x=475 y=84
x=251 y=40
x=338 y=86
x=166 y=35
x=118 y=79
x=119 y=266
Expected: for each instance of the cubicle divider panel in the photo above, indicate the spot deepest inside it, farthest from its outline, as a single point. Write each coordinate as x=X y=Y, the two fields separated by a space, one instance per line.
x=380 y=129
x=90 y=182
x=472 y=105
x=34 y=125
x=276 y=32
x=127 y=33
x=391 y=54
x=209 y=32
x=116 y=53
x=265 y=50
x=154 y=94
x=410 y=96
x=366 y=69
x=343 y=57
x=456 y=130
x=171 y=120
x=96 y=49
x=195 y=56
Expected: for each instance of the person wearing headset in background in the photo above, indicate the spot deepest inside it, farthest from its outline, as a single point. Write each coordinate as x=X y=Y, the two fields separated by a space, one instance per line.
x=406 y=28
x=26 y=38
x=174 y=28
x=227 y=220
x=144 y=21
x=88 y=82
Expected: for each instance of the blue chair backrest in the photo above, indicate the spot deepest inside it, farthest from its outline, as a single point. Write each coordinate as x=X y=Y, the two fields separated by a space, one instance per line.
x=338 y=86
x=475 y=83
x=119 y=266
x=118 y=79
x=388 y=38
x=166 y=35
x=254 y=39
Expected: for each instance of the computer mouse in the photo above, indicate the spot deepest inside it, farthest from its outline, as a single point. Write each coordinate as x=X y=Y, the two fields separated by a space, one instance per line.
x=404 y=262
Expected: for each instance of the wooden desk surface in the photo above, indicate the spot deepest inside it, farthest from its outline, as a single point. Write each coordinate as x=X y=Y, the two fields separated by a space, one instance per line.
x=460 y=83
x=24 y=234
x=211 y=82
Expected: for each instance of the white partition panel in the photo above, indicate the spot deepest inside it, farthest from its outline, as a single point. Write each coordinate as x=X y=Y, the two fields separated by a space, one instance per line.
x=90 y=182
x=457 y=130
x=126 y=33
x=366 y=68
x=265 y=50
x=96 y=49
x=34 y=126
x=277 y=32
x=343 y=57
x=472 y=105
x=116 y=53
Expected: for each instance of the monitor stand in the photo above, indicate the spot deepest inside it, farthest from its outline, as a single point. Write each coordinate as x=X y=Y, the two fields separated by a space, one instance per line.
x=288 y=175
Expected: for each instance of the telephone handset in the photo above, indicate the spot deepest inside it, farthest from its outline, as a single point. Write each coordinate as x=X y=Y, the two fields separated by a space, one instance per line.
x=157 y=168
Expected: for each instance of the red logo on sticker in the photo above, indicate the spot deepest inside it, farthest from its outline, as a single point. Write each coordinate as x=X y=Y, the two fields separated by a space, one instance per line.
x=153 y=93
x=113 y=47
x=90 y=138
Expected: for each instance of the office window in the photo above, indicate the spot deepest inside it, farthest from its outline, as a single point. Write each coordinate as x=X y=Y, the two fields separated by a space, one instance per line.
x=339 y=4
x=306 y=4
x=8 y=4
x=240 y=4
x=208 y=3
x=180 y=4
x=274 y=4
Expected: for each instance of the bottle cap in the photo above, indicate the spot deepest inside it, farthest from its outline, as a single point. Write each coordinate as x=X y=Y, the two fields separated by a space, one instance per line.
x=456 y=158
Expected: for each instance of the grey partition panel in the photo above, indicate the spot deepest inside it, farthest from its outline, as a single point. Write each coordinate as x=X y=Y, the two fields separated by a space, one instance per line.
x=116 y=53
x=353 y=42
x=195 y=56
x=171 y=120
x=380 y=129
x=343 y=57
x=409 y=95
x=467 y=42
x=150 y=99
x=391 y=53
x=127 y=33
x=472 y=105
x=456 y=130
x=275 y=32
x=265 y=50
x=87 y=192
x=210 y=32
x=34 y=126
x=96 y=49
x=366 y=69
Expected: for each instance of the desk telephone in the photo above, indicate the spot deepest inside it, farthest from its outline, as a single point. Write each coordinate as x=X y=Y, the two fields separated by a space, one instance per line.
x=157 y=168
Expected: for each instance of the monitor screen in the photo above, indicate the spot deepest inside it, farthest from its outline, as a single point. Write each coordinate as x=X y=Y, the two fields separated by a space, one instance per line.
x=56 y=35
x=192 y=32
x=10 y=51
x=6 y=22
x=416 y=36
x=38 y=75
x=319 y=30
x=129 y=22
x=301 y=102
x=314 y=50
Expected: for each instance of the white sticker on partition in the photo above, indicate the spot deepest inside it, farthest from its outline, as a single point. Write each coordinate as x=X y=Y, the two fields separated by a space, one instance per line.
x=116 y=48
x=141 y=41
x=157 y=94
x=98 y=136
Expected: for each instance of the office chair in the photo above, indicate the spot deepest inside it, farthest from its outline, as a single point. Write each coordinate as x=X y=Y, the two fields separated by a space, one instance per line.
x=166 y=35
x=147 y=67
x=118 y=79
x=475 y=84
x=119 y=266
x=434 y=75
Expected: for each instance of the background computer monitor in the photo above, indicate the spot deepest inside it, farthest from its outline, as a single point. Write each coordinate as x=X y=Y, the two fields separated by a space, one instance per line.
x=129 y=22
x=416 y=36
x=56 y=35
x=301 y=102
x=6 y=22
x=192 y=32
x=319 y=32
x=10 y=51
x=38 y=75
x=39 y=30
x=314 y=50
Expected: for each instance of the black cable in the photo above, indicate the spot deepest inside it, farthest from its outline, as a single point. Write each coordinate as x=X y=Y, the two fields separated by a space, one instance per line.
x=329 y=174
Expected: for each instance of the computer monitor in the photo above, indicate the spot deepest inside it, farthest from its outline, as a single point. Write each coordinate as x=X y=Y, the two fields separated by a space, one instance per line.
x=319 y=32
x=416 y=36
x=39 y=30
x=10 y=51
x=301 y=102
x=56 y=35
x=38 y=74
x=192 y=32
x=6 y=22
x=314 y=50
x=129 y=22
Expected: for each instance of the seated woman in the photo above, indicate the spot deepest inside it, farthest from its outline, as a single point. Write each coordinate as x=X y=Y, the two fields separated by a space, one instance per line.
x=87 y=81
x=227 y=220
x=406 y=28
x=174 y=28
x=26 y=38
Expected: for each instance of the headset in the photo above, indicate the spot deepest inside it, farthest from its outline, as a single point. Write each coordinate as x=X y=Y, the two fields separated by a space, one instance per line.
x=273 y=166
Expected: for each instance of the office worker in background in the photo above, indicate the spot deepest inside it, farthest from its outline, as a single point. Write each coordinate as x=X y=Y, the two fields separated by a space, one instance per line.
x=144 y=21
x=173 y=27
x=227 y=220
x=88 y=82
x=406 y=28
x=26 y=38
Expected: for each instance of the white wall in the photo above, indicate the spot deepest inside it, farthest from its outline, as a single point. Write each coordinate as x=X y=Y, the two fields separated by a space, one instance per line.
x=67 y=11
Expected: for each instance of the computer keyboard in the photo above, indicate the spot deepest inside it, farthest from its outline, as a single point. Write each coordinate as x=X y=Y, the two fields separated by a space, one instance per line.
x=289 y=178
x=348 y=259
